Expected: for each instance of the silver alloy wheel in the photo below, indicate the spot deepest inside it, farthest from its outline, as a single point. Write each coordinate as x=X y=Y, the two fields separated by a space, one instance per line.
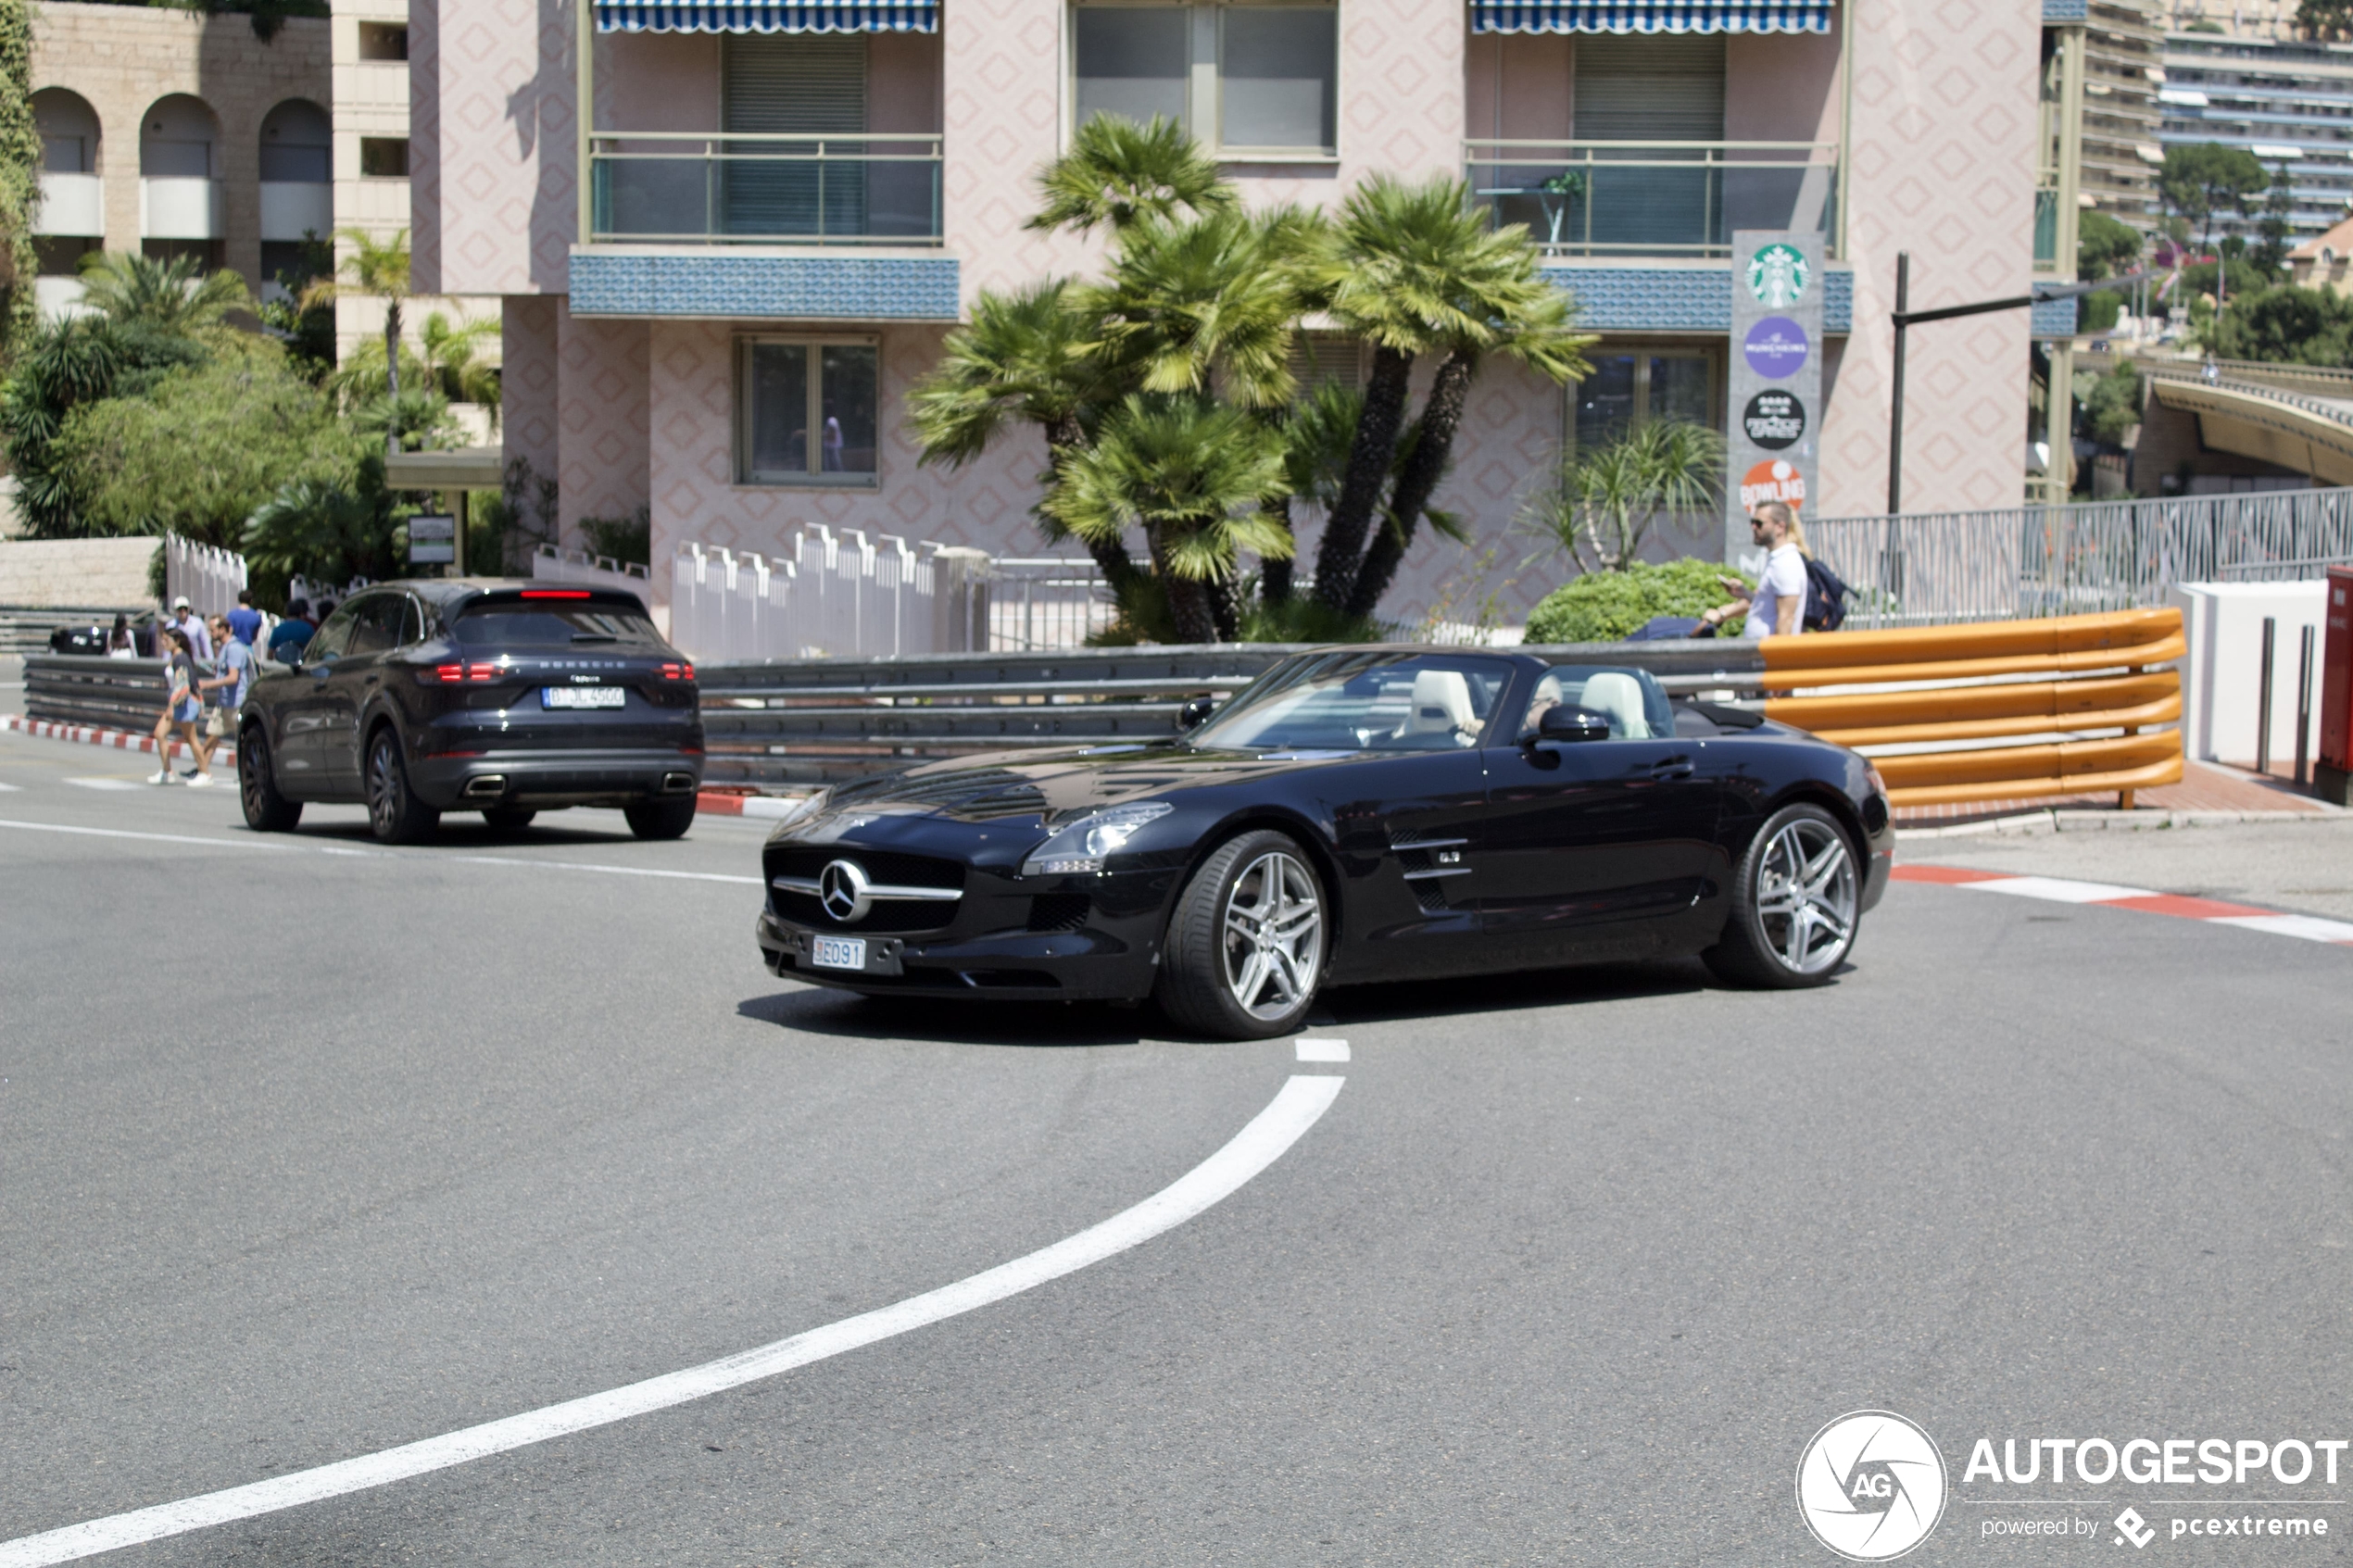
x=1273 y=937
x=1806 y=897
x=385 y=786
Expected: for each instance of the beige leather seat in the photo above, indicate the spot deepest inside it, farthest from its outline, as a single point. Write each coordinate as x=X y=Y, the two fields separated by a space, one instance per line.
x=1619 y=697
x=1441 y=705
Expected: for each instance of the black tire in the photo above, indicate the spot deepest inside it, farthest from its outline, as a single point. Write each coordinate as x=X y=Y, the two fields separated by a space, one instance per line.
x=266 y=809
x=1785 y=936
x=395 y=814
x=509 y=818
x=661 y=819
x=1227 y=969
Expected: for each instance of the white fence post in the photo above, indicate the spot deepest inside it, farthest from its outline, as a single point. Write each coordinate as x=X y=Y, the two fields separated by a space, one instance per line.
x=845 y=595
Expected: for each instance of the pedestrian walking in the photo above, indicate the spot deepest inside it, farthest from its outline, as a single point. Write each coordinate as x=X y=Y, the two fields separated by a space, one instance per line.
x=184 y=616
x=1777 y=607
x=122 y=642
x=245 y=621
x=182 y=708
x=290 y=636
x=232 y=674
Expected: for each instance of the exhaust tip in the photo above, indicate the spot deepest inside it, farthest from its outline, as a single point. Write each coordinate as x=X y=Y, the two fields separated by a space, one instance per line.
x=487 y=784
x=677 y=784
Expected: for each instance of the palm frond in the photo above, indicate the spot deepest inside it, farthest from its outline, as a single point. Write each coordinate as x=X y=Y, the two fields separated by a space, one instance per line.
x=1119 y=173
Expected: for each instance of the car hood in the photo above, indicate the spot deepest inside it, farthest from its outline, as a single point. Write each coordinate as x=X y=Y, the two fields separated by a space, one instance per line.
x=1060 y=784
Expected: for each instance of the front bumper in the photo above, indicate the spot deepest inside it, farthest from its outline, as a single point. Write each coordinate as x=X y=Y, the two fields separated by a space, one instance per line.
x=616 y=777
x=1107 y=960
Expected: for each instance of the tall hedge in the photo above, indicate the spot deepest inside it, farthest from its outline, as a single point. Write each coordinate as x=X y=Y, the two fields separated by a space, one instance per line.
x=1603 y=606
x=19 y=176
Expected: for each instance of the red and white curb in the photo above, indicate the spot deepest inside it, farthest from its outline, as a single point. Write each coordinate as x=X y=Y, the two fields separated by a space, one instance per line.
x=120 y=740
x=717 y=805
x=2058 y=890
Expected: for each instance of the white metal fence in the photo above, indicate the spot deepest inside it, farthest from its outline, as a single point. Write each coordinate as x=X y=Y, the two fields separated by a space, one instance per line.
x=211 y=578
x=2022 y=562
x=549 y=564
x=1043 y=602
x=842 y=595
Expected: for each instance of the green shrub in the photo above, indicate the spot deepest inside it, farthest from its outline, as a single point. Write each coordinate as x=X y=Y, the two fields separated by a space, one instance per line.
x=1603 y=606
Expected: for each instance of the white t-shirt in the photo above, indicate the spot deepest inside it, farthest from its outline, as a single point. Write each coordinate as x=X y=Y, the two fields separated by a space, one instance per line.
x=1784 y=578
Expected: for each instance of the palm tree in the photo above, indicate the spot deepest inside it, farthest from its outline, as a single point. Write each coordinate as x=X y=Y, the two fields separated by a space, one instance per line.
x=1217 y=296
x=170 y=294
x=444 y=364
x=1193 y=475
x=1120 y=173
x=1028 y=358
x=1604 y=501
x=1418 y=271
x=1317 y=431
x=377 y=268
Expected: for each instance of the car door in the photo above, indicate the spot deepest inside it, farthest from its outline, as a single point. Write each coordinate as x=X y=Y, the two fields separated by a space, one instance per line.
x=376 y=630
x=1409 y=831
x=1598 y=849
x=303 y=707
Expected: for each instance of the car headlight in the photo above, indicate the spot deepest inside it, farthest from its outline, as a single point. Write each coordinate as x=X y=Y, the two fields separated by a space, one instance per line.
x=1871 y=776
x=1086 y=843
x=804 y=809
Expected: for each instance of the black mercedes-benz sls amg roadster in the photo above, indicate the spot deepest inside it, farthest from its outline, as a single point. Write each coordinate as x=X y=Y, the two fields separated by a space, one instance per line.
x=1356 y=814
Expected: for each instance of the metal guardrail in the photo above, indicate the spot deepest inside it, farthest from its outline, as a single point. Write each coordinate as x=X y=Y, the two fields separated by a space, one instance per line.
x=114 y=694
x=2237 y=382
x=819 y=720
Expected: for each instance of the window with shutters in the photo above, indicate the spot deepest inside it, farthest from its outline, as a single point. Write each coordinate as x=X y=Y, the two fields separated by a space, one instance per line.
x=1321 y=359
x=1247 y=80
x=808 y=410
x=1662 y=94
x=807 y=87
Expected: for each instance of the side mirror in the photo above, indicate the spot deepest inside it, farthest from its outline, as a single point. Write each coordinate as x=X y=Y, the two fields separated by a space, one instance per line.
x=1562 y=722
x=1193 y=714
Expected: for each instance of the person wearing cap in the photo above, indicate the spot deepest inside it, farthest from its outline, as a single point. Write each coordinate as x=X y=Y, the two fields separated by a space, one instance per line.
x=184 y=616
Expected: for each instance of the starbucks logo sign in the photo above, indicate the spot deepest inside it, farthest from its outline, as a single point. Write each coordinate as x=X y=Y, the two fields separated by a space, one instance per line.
x=1778 y=275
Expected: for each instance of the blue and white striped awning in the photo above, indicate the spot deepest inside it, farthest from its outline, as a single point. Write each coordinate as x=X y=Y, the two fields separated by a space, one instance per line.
x=767 y=15
x=1651 y=16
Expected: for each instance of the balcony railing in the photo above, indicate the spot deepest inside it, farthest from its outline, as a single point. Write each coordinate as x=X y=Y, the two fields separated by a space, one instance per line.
x=1655 y=199
x=687 y=188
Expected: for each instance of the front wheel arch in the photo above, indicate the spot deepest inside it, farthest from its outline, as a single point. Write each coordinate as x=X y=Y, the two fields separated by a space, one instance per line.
x=1320 y=859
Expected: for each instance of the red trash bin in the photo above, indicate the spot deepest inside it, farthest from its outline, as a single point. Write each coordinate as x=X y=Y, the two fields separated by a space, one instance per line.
x=2336 y=689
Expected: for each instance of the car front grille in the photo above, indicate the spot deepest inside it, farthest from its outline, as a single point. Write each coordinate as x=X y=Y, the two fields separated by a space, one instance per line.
x=886 y=867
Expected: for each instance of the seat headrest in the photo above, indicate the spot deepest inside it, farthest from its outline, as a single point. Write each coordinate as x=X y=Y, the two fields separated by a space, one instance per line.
x=1620 y=698
x=1441 y=704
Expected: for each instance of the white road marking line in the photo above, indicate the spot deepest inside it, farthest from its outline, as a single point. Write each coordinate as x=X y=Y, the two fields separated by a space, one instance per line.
x=113 y=784
x=1323 y=1050
x=1300 y=1103
x=2056 y=888
x=2312 y=928
x=9 y=788
x=261 y=843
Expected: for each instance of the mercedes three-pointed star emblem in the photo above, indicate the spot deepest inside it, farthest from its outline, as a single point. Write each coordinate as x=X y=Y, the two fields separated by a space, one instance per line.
x=844 y=891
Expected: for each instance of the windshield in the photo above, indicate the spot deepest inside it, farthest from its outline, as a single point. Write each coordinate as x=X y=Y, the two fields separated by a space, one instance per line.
x=510 y=623
x=1632 y=700
x=1362 y=701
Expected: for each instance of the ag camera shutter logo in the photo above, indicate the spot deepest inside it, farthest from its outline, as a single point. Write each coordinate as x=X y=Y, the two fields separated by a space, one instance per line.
x=1871 y=1486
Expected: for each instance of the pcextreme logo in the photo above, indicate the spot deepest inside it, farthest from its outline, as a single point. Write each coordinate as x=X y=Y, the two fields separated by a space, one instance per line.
x=1871 y=1485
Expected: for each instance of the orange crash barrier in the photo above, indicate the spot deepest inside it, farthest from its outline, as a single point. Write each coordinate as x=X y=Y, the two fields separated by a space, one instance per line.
x=1942 y=692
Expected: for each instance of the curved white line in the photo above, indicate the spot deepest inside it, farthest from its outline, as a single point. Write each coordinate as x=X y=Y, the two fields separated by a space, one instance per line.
x=1302 y=1101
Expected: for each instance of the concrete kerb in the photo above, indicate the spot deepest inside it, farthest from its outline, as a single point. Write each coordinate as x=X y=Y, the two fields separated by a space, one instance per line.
x=2078 y=819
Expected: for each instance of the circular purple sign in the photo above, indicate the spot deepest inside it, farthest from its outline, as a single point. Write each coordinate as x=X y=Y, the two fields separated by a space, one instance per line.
x=1776 y=347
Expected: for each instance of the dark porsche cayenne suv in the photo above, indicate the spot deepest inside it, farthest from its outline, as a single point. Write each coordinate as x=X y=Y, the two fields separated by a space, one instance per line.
x=416 y=698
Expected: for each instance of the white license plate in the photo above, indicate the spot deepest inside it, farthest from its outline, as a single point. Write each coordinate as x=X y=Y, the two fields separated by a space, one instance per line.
x=837 y=952
x=584 y=696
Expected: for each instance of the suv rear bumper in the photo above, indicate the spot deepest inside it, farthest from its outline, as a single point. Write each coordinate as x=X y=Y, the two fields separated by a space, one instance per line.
x=614 y=777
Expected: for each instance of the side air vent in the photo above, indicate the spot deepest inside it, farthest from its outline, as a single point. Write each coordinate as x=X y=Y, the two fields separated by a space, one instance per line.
x=1057 y=911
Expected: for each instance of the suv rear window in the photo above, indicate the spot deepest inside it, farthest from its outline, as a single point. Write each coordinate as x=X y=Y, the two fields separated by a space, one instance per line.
x=554 y=623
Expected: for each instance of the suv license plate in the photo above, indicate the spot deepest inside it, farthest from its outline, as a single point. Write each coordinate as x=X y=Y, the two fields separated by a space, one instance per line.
x=584 y=696
x=837 y=952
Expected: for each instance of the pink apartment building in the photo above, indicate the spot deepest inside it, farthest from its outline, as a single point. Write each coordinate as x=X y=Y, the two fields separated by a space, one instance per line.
x=789 y=204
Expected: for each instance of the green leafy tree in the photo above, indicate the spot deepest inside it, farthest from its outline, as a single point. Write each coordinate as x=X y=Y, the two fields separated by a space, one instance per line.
x=2284 y=326
x=2104 y=247
x=375 y=268
x=1416 y=272
x=2329 y=21
x=1118 y=174
x=206 y=446
x=309 y=334
x=1603 y=607
x=2201 y=180
x=332 y=529
x=170 y=294
x=66 y=366
x=19 y=176
x=1603 y=502
x=1193 y=476
x=2111 y=404
x=2275 y=229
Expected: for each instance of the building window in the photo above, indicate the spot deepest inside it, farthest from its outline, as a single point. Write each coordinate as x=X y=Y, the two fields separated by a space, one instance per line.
x=807 y=412
x=1625 y=390
x=1245 y=80
x=384 y=158
x=383 y=40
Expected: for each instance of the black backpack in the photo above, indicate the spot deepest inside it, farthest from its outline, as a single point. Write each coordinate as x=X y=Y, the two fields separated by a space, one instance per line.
x=1825 y=599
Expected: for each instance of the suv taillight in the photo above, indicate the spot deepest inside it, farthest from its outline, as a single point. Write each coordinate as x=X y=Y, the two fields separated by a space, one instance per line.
x=457 y=675
x=678 y=671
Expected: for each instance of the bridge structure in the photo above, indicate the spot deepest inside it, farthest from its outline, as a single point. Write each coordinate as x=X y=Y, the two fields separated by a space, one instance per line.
x=2294 y=416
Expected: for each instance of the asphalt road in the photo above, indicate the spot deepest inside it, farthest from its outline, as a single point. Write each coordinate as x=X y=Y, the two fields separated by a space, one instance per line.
x=308 y=1150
